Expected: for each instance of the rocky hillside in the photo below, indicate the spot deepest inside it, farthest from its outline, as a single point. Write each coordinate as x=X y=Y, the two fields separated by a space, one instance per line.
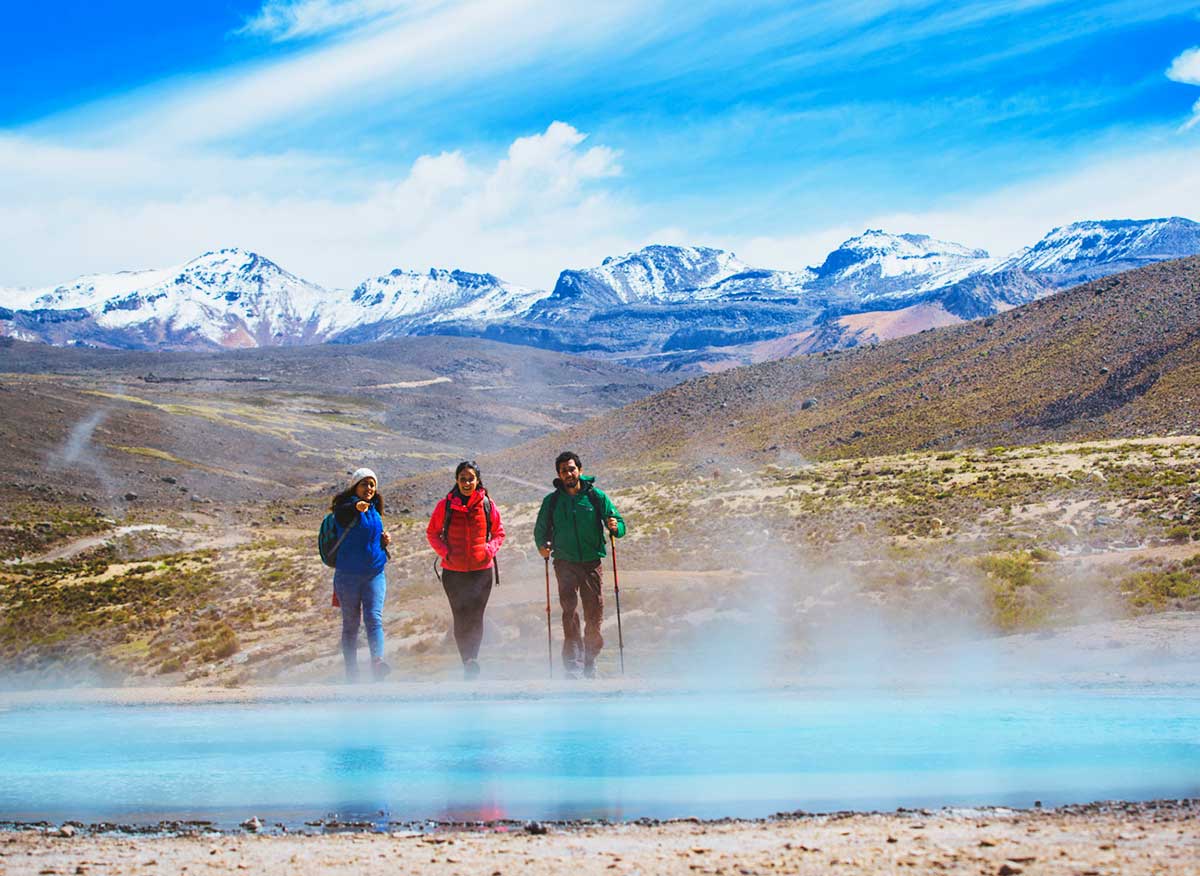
x=1117 y=357
x=179 y=429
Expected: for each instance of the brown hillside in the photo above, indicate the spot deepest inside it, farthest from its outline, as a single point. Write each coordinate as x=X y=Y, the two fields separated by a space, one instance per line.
x=176 y=428
x=1113 y=358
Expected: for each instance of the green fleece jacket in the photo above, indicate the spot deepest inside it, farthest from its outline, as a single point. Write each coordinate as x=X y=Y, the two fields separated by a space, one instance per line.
x=577 y=535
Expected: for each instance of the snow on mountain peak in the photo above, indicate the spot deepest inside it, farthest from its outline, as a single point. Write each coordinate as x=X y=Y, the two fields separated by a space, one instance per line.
x=655 y=273
x=436 y=295
x=879 y=264
x=1075 y=251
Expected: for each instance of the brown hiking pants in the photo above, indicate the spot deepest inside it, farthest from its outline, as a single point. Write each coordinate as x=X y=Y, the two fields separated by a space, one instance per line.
x=580 y=582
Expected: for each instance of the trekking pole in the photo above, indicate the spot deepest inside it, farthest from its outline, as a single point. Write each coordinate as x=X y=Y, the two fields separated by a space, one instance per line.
x=617 y=592
x=549 y=642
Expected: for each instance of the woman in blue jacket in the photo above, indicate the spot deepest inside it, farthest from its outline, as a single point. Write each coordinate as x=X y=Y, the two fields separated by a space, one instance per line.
x=358 y=579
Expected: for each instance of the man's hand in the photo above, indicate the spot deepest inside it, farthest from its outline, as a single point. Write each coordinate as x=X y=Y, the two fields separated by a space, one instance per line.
x=544 y=550
x=387 y=538
x=612 y=525
x=362 y=506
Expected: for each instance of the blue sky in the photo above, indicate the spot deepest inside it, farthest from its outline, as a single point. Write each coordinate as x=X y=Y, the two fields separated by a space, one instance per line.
x=346 y=137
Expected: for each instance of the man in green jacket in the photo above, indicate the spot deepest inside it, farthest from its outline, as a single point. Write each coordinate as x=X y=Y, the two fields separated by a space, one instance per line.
x=573 y=523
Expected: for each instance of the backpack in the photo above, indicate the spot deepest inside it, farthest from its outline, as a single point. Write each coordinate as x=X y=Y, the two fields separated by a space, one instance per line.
x=487 y=516
x=597 y=508
x=328 y=540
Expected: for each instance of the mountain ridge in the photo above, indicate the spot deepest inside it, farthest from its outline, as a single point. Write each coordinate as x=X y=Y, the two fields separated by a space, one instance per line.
x=661 y=307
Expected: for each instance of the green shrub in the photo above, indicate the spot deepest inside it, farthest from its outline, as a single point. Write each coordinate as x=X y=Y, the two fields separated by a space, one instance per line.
x=1020 y=597
x=1155 y=590
x=172 y=664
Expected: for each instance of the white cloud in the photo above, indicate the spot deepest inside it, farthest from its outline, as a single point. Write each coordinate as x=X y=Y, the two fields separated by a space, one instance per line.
x=1195 y=119
x=403 y=58
x=545 y=204
x=1146 y=185
x=282 y=20
x=550 y=202
x=1186 y=67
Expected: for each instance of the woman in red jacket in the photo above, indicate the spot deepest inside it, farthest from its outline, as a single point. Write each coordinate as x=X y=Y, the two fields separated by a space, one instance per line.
x=466 y=532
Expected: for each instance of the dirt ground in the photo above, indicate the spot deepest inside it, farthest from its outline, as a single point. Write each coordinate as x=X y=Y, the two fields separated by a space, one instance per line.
x=1125 y=838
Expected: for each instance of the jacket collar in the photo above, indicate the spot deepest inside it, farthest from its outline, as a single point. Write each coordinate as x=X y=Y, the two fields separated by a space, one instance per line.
x=456 y=497
x=586 y=482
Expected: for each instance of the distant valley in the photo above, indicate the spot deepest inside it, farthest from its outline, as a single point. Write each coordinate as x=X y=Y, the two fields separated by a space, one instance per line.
x=126 y=429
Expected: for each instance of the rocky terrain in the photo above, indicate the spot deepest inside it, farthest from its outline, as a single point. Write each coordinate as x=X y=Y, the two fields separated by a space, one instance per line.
x=1117 y=357
x=178 y=430
x=1127 y=838
x=765 y=563
x=1027 y=472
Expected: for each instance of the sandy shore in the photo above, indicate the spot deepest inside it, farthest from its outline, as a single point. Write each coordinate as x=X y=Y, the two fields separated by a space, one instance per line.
x=1125 y=838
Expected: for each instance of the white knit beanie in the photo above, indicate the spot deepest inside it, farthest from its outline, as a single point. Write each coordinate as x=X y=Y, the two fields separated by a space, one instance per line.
x=361 y=473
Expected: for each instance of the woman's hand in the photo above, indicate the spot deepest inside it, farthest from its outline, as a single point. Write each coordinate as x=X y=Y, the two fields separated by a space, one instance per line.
x=612 y=524
x=362 y=506
x=387 y=538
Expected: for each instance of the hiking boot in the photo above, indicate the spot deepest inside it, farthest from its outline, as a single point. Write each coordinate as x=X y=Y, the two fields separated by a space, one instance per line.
x=470 y=669
x=379 y=669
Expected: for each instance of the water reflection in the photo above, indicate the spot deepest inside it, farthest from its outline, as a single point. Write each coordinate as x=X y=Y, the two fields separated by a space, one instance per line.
x=655 y=755
x=359 y=777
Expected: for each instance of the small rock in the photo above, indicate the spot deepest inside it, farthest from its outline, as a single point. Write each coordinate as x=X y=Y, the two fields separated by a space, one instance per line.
x=252 y=824
x=167 y=479
x=1008 y=870
x=65 y=830
x=535 y=827
x=808 y=403
x=131 y=497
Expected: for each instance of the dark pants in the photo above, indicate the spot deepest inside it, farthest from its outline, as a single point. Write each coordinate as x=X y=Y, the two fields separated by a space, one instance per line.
x=580 y=582
x=468 y=593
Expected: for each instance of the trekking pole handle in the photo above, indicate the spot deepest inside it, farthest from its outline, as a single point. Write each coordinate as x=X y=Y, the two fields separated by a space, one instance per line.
x=612 y=541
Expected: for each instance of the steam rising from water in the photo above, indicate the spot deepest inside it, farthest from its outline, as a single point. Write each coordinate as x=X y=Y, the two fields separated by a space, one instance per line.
x=77 y=452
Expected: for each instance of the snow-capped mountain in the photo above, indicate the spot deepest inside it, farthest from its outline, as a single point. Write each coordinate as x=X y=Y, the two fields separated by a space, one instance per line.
x=1084 y=251
x=878 y=265
x=656 y=306
x=227 y=298
x=401 y=301
x=86 y=290
x=653 y=275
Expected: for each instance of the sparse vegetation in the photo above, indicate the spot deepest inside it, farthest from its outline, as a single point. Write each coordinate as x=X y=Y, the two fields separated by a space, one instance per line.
x=994 y=480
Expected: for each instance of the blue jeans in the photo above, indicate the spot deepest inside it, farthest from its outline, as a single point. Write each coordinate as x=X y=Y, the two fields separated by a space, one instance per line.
x=361 y=596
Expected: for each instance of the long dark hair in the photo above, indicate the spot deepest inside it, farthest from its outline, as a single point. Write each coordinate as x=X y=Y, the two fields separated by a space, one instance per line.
x=473 y=466
x=345 y=495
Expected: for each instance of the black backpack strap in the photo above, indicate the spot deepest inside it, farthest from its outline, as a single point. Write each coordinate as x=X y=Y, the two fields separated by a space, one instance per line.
x=341 y=538
x=597 y=508
x=550 y=518
x=487 y=514
x=446 y=527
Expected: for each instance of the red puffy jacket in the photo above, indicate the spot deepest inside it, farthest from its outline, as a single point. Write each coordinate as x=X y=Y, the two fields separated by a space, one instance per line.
x=468 y=550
